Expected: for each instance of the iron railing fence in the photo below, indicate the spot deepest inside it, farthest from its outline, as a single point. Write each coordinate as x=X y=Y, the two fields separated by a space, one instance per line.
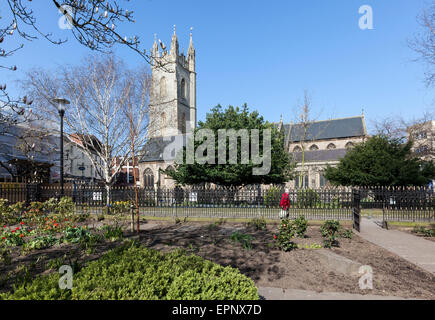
x=408 y=215
x=247 y=202
x=397 y=198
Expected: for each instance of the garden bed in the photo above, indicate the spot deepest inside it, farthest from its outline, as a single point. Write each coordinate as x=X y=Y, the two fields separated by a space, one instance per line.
x=301 y=268
x=422 y=230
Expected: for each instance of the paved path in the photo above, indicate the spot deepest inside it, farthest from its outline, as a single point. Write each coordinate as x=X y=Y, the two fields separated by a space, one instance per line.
x=295 y=294
x=412 y=248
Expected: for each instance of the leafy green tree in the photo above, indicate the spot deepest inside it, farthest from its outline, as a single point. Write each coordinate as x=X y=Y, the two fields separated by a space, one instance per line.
x=381 y=161
x=235 y=175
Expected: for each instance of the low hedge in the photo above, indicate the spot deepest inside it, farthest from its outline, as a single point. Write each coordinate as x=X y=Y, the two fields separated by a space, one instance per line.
x=138 y=273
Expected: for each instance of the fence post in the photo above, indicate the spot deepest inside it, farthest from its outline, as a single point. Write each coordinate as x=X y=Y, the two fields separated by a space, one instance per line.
x=27 y=195
x=356 y=209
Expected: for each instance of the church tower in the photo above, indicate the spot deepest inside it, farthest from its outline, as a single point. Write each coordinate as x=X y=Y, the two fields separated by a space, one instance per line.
x=173 y=91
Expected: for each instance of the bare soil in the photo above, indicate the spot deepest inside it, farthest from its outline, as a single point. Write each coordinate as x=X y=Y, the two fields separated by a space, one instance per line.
x=265 y=264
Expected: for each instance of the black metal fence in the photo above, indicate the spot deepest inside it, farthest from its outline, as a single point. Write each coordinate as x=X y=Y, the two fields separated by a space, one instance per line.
x=396 y=204
x=416 y=204
x=397 y=198
x=248 y=202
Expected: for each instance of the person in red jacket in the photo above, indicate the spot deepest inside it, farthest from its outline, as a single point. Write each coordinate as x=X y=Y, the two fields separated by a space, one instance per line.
x=285 y=203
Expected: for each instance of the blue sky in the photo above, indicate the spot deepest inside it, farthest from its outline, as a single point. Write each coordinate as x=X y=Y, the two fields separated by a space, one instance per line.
x=266 y=53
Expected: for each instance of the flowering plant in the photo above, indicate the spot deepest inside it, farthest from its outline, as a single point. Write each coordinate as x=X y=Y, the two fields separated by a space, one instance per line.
x=14 y=236
x=285 y=235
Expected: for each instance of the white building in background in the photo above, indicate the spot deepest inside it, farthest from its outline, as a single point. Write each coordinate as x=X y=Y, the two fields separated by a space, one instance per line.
x=423 y=137
x=26 y=152
x=78 y=167
x=31 y=145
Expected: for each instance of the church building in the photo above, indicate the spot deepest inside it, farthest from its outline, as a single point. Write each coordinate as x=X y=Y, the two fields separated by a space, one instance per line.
x=172 y=115
x=172 y=108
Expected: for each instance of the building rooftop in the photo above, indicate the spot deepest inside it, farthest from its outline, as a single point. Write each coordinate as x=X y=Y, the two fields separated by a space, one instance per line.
x=325 y=129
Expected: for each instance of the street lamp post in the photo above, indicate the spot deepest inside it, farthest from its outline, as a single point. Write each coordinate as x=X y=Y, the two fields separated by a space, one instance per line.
x=61 y=108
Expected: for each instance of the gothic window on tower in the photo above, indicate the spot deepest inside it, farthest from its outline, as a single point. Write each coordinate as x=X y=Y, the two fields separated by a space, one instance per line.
x=183 y=89
x=162 y=87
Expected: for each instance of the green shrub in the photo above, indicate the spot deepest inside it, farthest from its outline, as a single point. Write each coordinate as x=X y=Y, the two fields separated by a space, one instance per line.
x=257 y=224
x=244 y=239
x=330 y=232
x=272 y=198
x=76 y=234
x=138 y=273
x=17 y=210
x=300 y=226
x=41 y=242
x=424 y=232
x=39 y=206
x=48 y=206
x=347 y=233
x=284 y=238
x=113 y=232
x=65 y=208
x=10 y=214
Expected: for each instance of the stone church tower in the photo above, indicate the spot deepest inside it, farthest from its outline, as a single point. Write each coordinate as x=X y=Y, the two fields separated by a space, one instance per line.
x=172 y=109
x=173 y=91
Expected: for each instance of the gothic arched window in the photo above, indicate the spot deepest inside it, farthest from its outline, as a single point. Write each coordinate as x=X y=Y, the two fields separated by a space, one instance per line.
x=162 y=87
x=314 y=147
x=297 y=149
x=148 y=178
x=331 y=146
x=183 y=88
x=349 y=145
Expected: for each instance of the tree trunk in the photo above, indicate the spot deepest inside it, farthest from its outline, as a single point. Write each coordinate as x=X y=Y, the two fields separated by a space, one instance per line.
x=108 y=197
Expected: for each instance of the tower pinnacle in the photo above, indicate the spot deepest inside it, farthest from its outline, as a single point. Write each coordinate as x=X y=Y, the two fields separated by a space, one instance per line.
x=174 y=44
x=191 y=50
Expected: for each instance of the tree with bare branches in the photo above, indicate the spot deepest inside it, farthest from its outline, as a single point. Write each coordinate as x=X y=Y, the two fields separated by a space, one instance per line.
x=418 y=129
x=93 y=23
x=424 y=43
x=27 y=152
x=100 y=89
